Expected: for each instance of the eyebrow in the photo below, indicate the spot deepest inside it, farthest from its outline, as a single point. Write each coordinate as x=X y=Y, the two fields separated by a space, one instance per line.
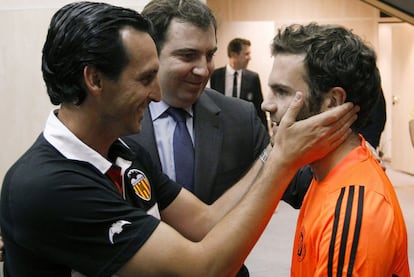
x=214 y=50
x=278 y=85
x=184 y=50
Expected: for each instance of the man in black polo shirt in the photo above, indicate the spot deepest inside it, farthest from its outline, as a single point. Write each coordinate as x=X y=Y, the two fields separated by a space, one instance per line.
x=83 y=200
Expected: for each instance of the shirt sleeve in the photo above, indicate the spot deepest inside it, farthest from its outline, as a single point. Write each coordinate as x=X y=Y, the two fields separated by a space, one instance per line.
x=74 y=216
x=353 y=241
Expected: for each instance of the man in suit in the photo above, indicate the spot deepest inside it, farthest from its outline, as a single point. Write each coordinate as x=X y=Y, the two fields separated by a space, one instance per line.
x=227 y=135
x=228 y=138
x=226 y=132
x=244 y=84
x=93 y=194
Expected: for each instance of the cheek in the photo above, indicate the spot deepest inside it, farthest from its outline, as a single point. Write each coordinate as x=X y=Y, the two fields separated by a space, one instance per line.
x=135 y=95
x=281 y=111
x=210 y=67
x=162 y=73
x=282 y=106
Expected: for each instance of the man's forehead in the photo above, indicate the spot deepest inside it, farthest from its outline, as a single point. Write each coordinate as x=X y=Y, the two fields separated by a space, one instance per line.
x=288 y=72
x=185 y=36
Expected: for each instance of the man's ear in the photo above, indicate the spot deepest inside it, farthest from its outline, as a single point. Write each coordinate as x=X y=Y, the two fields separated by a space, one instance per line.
x=93 y=79
x=336 y=96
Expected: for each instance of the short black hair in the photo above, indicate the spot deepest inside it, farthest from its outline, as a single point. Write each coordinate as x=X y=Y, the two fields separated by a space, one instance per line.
x=81 y=34
x=162 y=12
x=236 y=45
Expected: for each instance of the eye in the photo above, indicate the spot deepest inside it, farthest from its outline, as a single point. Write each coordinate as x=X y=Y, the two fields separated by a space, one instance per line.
x=280 y=91
x=210 y=56
x=148 y=78
x=188 y=56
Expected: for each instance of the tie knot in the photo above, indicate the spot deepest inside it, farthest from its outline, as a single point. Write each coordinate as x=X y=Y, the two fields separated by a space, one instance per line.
x=178 y=114
x=235 y=74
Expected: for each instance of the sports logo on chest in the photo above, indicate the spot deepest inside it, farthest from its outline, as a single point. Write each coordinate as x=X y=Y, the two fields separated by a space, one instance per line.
x=301 y=251
x=140 y=183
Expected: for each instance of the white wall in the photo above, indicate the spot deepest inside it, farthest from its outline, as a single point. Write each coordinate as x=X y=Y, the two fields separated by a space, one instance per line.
x=260 y=33
x=24 y=103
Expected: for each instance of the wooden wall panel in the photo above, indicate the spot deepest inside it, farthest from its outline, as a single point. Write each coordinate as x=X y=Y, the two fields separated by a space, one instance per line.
x=265 y=10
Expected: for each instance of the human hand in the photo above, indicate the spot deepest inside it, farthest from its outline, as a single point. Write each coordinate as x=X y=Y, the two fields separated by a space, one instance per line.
x=302 y=142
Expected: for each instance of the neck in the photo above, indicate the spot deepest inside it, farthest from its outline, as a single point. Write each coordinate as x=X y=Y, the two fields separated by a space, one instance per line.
x=322 y=167
x=86 y=127
x=233 y=65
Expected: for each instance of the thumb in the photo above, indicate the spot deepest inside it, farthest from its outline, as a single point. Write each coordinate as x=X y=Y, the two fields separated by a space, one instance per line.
x=294 y=108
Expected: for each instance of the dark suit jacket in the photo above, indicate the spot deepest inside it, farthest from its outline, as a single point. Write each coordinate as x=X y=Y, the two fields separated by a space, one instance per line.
x=228 y=139
x=250 y=88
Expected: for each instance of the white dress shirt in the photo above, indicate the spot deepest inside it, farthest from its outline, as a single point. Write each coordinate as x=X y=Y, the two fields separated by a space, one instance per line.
x=164 y=126
x=228 y=86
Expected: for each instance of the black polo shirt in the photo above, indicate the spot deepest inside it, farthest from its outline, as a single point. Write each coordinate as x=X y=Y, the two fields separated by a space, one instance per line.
x=60 y=212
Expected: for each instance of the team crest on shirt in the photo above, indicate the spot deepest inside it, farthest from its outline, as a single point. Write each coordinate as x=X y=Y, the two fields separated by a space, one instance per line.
x=139 y=183
x=301 y=252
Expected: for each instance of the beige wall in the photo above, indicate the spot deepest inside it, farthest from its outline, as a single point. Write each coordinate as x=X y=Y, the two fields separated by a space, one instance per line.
x=355 y=14
x=401 y=84
x=25 y=104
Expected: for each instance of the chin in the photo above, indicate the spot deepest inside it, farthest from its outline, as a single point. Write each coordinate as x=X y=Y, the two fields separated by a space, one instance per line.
x=189 y=98
x=133 y=130
x=138 y=129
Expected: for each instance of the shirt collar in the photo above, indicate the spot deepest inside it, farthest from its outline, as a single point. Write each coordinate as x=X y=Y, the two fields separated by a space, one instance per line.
x=157 y=109
x=230 y=70
x=60 y=137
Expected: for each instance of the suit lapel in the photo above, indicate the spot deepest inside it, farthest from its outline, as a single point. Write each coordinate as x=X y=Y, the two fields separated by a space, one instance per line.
x=244 y=87
x=221 y=80
x=147 y=138
x=208 y=137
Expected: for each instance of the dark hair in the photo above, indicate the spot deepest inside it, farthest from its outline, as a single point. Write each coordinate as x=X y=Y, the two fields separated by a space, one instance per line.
x=334 y=57
x=81 y=34
x=236 y=44
x=161 y=12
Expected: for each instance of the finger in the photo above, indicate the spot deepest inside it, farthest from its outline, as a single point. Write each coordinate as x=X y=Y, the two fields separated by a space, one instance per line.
x=338 y=131
x=336 y=115
x=346 y=120
x=292 y=112
x=338 y=138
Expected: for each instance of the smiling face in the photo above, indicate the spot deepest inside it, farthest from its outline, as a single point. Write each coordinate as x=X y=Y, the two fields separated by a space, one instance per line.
x=286 y=78
x=186 y=62
x=124 y=100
